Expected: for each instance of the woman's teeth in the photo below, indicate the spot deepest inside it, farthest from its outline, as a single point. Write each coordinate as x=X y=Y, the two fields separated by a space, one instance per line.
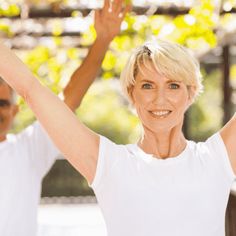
x=161 y=114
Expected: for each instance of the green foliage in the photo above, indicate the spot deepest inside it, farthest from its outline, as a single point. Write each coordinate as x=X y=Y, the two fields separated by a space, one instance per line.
x=105 y=111
x=57 y=28
x=194 y=30
x=5 y=29
x=46 y=65
x=9 y=10
x=88 y=37
x=205 y=115
x=233 y=75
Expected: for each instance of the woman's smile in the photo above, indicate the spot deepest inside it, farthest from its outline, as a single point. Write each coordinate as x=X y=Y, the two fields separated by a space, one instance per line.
x=160 y=114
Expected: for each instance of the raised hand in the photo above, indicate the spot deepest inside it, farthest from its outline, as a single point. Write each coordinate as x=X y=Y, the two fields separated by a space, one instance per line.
x=108 y=20
x=107 y=24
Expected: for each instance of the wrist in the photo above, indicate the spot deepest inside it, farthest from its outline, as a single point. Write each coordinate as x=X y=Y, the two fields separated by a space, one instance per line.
x=104 y=40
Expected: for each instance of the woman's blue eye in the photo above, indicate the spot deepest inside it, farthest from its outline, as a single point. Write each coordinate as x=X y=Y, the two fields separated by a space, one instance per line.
x=174 y=86
x=146 y=86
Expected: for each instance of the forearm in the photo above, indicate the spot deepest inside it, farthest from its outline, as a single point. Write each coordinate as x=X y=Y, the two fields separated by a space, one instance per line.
x=84 y=76
x=39 y=98
x=14 y=72
x=107 y=25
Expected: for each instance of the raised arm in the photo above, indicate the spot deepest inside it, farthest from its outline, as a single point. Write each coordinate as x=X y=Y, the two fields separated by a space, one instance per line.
x=228 y=134
x=107 y=25
x=67 y=132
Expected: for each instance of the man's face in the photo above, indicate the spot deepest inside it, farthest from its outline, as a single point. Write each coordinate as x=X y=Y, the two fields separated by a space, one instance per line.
x=8 y=110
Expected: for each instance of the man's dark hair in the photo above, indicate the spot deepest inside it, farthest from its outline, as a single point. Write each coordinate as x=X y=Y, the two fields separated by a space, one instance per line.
x=13 y=95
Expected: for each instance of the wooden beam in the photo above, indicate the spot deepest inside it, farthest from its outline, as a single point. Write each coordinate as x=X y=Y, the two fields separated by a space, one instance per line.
x=49 y=12
x=64 y=12
x=232 y=10
x=227 y=91
x=48 y=34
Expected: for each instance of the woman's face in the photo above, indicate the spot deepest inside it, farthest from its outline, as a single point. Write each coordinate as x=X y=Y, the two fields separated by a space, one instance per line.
x=159 y=101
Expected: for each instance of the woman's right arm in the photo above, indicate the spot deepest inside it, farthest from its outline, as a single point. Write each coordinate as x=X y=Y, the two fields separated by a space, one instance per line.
x=76 y=142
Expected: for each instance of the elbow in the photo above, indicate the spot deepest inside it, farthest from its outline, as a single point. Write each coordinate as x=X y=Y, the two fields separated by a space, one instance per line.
x=72 y=104
x=72 y=101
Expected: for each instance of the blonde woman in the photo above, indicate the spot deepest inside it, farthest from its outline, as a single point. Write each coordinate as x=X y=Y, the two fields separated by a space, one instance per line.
x=164 y=185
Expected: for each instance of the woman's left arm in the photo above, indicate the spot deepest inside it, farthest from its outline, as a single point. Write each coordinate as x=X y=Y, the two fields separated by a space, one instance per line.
x=228 y=134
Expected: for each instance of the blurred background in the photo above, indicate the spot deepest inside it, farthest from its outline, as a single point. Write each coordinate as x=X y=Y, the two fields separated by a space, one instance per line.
x=53 y=36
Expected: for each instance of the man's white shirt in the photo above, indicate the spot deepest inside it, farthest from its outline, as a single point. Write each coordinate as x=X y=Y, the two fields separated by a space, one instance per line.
x=25 y=158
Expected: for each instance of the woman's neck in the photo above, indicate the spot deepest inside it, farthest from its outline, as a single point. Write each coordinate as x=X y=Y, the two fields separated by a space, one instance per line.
x=163 y=143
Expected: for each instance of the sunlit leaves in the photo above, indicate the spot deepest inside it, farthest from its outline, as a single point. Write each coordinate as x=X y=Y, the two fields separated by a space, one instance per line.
x=104 y=110
x=5 y=30
x=9 y=10
x=45 y=66
x=89 y=36
x=37 y=57
x=109 y=62
x=206 y=114
x=194 y=30
x=157 y=23
x=57 y=28
x=73 y=53
x=233 y=75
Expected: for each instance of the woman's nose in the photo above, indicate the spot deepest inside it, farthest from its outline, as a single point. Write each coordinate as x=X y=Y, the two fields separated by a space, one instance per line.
x=159 y=97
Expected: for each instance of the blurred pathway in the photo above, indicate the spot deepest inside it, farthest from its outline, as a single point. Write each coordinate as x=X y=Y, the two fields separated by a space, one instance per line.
x=70 y=220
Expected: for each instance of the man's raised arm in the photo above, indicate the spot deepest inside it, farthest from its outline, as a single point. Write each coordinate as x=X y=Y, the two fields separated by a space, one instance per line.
x=107 y=25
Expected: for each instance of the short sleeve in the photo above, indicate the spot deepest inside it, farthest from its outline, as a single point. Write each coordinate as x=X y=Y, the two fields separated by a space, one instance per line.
x=109 y=153
x=41 y=151
x=217 y=147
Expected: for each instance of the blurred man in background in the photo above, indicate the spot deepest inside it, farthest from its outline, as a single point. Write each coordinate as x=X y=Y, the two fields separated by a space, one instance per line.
x=25 y=158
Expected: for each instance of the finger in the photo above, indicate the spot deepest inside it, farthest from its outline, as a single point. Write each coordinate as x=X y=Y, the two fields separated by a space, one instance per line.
x=117 y=6
x=106 y=4
x=110 y=7
x=128 y=8
x=125 y=11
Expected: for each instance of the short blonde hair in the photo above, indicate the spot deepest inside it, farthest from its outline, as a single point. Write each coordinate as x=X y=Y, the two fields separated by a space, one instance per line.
x=170 y=60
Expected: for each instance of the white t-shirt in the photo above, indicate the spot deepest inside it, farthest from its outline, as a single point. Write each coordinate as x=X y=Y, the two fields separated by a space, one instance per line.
x=24 y=160
x=182 y=196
